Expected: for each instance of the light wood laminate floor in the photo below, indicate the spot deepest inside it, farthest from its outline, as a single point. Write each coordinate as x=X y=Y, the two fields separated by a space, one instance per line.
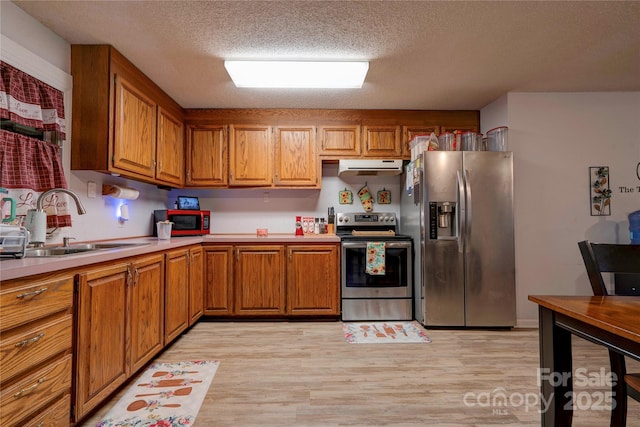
x=305 y=374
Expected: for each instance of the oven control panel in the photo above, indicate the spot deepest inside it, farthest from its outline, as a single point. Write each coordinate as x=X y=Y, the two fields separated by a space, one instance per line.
x=366 y=219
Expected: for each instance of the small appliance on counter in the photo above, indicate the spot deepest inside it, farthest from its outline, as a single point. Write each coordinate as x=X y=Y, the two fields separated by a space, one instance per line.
x=13 y=241
x=185 y=222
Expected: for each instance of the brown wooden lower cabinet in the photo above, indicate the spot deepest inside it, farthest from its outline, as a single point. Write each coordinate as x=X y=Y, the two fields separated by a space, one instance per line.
x=36 y=350
x=184 y=291
x=196 y=284
x=272 y=280
x=313 y=280
x=218 y=280
x=176 y=312
x=147 y=302
x=259 y=280
x=120 y=321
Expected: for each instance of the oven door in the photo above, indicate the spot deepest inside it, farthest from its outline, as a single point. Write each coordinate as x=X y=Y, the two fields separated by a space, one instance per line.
x=395 y=283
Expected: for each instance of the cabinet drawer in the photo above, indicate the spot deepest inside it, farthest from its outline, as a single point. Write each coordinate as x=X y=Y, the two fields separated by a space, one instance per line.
x=33 y=392
x=34 y=299
x=28 y=346
x=57 y=415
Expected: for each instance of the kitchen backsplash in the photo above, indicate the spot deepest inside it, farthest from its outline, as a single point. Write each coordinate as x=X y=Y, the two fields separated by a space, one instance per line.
x=245 y=210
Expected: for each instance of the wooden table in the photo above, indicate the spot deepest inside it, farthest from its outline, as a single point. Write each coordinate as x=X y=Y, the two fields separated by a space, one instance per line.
x=611 y=321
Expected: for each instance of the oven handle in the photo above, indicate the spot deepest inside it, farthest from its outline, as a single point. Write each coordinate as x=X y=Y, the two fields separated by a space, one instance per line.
x=392 y=244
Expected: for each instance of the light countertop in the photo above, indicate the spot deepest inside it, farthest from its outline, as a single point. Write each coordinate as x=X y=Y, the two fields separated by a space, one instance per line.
x=17 y=268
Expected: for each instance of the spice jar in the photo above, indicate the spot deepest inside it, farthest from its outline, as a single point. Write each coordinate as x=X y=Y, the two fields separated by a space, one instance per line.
x=299 y=231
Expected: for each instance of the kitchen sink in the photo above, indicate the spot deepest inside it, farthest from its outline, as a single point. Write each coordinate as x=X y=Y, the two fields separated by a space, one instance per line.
x=97 y=246
x=77 y=249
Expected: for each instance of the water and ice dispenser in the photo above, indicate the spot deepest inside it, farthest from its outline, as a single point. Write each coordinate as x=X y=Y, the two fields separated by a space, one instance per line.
x=442 y=220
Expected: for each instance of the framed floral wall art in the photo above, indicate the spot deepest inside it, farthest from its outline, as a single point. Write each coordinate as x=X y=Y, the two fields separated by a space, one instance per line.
x=600 y=193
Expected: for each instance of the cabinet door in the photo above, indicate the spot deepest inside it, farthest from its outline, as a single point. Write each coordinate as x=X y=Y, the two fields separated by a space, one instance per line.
x=259 y=280
x=340 y=141
x=250 y=155
x=296 y=161
x=313 y=280
x=170 y=148
x=176 y=294
x=218 y=285
x=134 y=147
x=102 y=335
x=382 y=141
x=466 y=128
x=196 y=284
x=206 y=156
x=147 y=309
x=408 y=132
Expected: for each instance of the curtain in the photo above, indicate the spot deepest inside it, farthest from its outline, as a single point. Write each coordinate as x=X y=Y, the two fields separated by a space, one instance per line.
x=33 y=123
x=29 y=167
x=27 y=101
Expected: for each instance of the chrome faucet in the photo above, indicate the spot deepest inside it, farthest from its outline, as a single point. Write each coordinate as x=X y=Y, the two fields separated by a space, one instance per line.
x=36 y=219
x=81 y=209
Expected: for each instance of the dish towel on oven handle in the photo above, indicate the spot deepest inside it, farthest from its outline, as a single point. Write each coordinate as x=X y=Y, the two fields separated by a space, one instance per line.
x=375 y=258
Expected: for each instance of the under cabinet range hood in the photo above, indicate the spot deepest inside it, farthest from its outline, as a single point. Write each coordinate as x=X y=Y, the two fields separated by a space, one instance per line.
x=369 y=167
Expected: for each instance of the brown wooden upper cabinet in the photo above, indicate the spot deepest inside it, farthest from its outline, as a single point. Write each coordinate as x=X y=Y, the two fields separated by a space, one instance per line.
x=134 y=137
x=459 y=128
x=170 y=148
x=122 y=122
x=408 y=132
x=296 y=161
x=339 y=140
x=206 y=156
x=381 y=141
x=250 y=156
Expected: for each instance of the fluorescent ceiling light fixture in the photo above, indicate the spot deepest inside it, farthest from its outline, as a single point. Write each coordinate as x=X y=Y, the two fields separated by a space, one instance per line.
x=297 y=74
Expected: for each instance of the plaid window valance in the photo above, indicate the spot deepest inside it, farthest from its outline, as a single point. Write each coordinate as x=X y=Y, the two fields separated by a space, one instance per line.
x=30 y=103
x=32 y=128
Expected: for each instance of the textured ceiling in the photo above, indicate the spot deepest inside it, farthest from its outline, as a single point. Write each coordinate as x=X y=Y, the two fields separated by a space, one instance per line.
x=423 y=54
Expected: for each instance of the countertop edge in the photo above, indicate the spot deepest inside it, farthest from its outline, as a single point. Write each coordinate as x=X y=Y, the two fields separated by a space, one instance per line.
x=24 y=267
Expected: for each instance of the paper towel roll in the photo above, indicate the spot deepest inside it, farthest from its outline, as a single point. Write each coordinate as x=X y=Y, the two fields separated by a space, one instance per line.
x=36 y=223
x=119 y=192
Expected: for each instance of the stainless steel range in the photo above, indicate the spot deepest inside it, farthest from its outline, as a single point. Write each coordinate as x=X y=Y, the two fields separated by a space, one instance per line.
x=375 y=297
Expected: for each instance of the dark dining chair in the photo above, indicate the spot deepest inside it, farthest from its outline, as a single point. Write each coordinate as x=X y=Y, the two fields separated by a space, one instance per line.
x=623 y=259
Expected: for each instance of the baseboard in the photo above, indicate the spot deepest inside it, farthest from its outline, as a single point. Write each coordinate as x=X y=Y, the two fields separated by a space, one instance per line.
x=527 y=323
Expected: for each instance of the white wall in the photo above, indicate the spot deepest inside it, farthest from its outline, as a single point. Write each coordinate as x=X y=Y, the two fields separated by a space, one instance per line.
x=244 y=210
x=555 y=138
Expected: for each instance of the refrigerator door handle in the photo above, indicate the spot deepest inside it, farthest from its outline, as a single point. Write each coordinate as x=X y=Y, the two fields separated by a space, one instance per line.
x=462 y=216
x=468 y=205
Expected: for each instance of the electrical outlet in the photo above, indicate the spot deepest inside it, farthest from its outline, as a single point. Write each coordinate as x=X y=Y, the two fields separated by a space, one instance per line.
x=91 y=190
x=265 y=197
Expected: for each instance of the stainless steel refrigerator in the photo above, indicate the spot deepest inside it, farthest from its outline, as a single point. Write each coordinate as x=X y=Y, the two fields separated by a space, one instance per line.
x=459 y=212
